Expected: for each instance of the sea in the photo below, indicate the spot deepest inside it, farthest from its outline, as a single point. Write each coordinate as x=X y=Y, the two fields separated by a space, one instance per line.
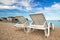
x=55 y=22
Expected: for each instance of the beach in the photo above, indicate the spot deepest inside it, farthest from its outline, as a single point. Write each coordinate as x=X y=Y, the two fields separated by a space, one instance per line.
x=8 y=32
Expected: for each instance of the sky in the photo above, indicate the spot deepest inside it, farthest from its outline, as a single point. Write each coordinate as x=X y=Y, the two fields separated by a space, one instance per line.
x=50 y=8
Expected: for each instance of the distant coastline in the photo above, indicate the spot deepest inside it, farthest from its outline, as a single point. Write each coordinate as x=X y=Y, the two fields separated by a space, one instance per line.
x=59 y=20
x=55 y=22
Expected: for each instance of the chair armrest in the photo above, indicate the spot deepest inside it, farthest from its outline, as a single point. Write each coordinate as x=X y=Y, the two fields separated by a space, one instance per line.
x=26 y=23
x=31 y=23
x=51 y=25
x=45 y=24
x=16 y=24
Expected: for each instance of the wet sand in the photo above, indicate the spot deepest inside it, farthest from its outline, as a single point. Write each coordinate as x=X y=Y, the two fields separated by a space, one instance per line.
x=8 y=32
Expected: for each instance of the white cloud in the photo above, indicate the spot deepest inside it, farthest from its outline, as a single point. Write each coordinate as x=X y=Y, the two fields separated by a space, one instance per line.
x=57 y=6
x=26 y=4
x=7 y=2
x=51 y=13
x=7 y=7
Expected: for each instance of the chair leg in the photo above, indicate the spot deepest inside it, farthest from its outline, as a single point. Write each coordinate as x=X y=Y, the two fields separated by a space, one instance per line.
x=32 y=30
x=47 y=32
x=27 y=30
x=53 y=26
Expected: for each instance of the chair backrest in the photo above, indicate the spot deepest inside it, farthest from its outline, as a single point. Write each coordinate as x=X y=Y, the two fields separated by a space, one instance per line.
x=21 y=19
x=38 y=19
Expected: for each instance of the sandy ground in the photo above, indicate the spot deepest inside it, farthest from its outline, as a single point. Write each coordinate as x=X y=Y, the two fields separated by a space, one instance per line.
x=8 y=32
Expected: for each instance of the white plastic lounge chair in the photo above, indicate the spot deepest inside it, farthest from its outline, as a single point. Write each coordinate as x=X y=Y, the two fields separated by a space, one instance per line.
x=39 y=22
x=22 y=22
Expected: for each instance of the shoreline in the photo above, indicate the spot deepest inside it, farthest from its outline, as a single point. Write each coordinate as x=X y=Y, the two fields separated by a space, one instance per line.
x=15 y=23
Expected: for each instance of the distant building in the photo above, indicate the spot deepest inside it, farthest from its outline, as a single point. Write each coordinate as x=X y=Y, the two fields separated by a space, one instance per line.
x=1 y=19
x=12 y=19
x=4 y=19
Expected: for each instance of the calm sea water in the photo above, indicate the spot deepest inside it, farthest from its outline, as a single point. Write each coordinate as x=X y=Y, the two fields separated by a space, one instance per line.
x=55 y=22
